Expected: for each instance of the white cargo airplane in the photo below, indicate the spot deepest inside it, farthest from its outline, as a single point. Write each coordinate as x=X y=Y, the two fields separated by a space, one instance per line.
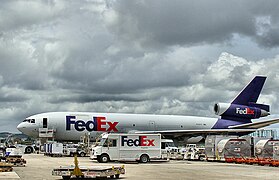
x=235 y=118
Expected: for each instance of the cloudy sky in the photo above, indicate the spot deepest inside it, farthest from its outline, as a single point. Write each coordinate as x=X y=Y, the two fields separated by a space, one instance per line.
x=156 y=56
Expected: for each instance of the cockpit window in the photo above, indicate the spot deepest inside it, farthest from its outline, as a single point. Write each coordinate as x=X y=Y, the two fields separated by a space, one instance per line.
x=29 y=120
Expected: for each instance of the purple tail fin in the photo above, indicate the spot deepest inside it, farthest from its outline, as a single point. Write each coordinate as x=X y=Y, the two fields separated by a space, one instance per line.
x=244 y=107
x=251 y=92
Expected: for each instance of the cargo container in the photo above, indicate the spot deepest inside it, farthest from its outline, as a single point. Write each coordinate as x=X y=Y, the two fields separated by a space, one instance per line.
x=264 y=148
x=234 y=148
x=211 y=143
x=53 y=149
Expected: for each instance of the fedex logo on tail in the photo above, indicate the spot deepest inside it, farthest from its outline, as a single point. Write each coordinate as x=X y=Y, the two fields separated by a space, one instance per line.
x=245 y=111
x=141 y=141
x=97 y=124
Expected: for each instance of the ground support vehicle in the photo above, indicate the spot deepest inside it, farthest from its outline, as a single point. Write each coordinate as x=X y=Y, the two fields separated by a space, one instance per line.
x=26 y=149
x=88 y=172
x=72 y=149
x=195 y=154
x=169 y=150
x=127 y=147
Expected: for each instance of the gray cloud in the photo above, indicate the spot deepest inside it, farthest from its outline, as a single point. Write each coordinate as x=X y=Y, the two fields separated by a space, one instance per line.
x=196 y=22
x=158 y=57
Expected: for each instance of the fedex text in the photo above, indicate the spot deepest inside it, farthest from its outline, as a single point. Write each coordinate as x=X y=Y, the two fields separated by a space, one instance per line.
x=244 y=111
x=96 y=124
x=141 y=141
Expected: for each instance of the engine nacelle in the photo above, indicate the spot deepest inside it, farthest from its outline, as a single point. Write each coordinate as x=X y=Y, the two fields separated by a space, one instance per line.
x=220 y=108
x=239 y=111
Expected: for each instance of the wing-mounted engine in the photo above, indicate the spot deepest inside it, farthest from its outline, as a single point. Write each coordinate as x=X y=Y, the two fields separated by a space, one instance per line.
x=236 y=111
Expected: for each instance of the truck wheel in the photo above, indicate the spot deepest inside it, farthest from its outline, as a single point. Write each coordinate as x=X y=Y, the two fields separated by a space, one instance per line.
x=144 y=158
x=104 y=158
x=82 y=154
x=28 y=150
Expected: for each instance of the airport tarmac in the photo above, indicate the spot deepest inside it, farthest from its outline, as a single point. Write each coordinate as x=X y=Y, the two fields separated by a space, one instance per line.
x=39 y=167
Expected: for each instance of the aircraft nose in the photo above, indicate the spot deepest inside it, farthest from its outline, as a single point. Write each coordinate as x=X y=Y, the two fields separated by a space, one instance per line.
x=20 y=127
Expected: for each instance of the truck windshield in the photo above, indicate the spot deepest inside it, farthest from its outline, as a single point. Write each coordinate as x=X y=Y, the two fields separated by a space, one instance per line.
x=103 y=141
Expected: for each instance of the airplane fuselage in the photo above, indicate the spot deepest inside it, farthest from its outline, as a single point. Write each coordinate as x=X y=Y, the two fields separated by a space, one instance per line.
x=70 y=126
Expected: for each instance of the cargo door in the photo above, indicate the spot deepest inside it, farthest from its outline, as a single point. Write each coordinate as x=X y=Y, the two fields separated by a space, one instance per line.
x=110 y=147
x=45 y=123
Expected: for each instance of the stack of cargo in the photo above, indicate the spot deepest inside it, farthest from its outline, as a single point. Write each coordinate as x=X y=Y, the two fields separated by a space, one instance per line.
x=264 y=148
x=16 y=161
x=264 y=151
x=211 y=144
x=13 y=156
x=5 y=167
x=247 y=150
x=237 y=149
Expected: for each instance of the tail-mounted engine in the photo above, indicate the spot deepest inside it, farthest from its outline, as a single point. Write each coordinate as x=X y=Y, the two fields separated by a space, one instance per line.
x=252 y=111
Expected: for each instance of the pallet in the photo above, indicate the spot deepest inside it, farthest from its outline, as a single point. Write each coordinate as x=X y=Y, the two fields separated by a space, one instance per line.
x=6 y=169
x=18 y=165
x=15 y=160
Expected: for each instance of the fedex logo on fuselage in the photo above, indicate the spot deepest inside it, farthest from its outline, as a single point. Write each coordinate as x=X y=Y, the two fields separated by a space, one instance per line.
x=97 y=124
x=244 y=111
x=141 y=141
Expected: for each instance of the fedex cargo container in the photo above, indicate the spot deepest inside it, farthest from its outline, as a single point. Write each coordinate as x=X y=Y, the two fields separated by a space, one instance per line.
x=264 y=148
x=211 y=144
x=127 y=147
x=234 y=148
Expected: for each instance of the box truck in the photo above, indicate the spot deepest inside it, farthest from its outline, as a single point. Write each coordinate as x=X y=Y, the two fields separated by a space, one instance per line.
x=127 y=147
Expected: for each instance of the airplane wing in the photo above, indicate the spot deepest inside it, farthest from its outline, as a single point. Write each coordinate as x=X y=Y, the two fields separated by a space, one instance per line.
x=255 y=125
x=238 y=129
x=197 y=132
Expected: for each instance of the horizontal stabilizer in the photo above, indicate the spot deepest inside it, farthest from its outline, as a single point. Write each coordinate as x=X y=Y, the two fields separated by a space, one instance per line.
x=255 y=125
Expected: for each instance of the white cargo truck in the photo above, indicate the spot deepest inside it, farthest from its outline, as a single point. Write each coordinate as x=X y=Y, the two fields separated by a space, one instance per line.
x=127 y=147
